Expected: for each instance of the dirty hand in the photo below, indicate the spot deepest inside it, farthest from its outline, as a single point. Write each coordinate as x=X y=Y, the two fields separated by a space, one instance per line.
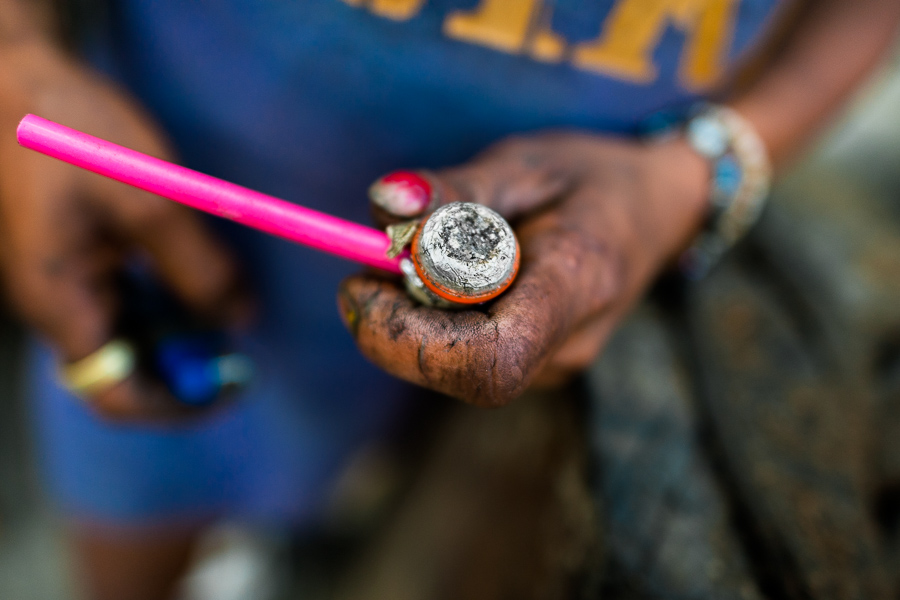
x=65 y=233
x=596 y=218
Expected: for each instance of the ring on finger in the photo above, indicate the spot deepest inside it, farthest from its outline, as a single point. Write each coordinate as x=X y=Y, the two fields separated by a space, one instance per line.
x=97 y=372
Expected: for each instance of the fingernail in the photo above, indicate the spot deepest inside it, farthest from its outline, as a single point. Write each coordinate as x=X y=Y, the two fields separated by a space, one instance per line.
x=402 y=193
x=349 y=311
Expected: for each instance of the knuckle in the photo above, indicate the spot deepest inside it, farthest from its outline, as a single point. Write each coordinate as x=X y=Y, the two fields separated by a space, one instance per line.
x=510 y=144
x=144 y=212
x=595 y=265
x=553 y=139
x=522 y=152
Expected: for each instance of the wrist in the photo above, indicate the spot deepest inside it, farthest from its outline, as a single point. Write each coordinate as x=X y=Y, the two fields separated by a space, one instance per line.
x=681 y=177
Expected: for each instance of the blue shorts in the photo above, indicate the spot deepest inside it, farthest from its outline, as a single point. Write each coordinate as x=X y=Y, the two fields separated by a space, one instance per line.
x=269 y=457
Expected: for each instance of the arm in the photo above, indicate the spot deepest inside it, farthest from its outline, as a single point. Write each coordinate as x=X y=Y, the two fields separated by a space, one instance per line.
x=619 y=212
x=834 y=49
x=66 y=235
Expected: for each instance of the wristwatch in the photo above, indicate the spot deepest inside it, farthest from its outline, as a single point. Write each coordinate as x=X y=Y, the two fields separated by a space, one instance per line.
x=740 y=183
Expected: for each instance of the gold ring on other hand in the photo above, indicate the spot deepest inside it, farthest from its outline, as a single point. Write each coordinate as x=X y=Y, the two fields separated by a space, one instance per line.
x=103 y=369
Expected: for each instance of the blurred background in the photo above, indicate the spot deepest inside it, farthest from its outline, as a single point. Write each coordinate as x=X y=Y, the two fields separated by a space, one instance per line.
x=862 y=152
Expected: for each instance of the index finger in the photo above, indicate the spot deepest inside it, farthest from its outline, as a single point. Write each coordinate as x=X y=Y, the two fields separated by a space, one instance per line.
x=201 y=271
x=513 y=178
x=188 y=257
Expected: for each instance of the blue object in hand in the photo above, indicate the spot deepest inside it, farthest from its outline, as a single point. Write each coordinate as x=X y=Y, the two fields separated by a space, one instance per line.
x=194 y=361
x=196 y=372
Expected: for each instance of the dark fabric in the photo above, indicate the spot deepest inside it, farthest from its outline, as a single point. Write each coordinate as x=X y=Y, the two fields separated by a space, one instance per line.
x=744 y=433
x=736 y=440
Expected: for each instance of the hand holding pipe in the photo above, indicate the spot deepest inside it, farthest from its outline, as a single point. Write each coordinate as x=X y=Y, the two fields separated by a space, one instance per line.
x=460 y=255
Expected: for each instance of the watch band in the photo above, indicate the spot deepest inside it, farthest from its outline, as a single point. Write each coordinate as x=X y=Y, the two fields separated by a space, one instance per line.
x=740 y=183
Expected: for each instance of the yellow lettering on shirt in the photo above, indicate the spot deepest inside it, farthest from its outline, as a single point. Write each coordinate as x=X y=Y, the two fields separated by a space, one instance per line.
x=626 y=44
x=499 y=24
x=634 y=28
x=513 y=26
x=398 y=10
x=546 y=45
x=706 y=53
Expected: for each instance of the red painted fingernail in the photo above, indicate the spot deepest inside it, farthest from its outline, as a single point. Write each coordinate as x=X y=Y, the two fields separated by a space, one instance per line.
x=401 y=193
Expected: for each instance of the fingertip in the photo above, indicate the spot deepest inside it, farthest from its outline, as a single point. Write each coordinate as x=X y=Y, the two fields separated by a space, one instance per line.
x=364 y=301
x=348 y=310
x=404 y=194
x=357 y=285
x=367 y=290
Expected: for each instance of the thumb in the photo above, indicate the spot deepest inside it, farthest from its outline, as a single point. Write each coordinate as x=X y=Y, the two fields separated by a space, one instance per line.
x=513 y=178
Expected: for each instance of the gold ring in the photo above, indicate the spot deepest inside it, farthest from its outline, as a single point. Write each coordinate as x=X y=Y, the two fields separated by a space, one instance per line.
x=103 y=369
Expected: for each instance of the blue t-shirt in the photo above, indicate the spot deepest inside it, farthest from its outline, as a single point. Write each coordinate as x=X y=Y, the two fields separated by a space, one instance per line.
x=311 y=100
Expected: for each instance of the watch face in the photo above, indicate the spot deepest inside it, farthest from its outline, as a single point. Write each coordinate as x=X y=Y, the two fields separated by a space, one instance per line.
x=708 y=136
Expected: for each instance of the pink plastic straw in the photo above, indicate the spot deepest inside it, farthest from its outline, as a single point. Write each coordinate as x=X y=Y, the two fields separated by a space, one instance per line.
x=266 y=213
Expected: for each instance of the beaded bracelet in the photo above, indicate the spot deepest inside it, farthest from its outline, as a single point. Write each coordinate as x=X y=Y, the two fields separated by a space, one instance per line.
x=741 y=179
